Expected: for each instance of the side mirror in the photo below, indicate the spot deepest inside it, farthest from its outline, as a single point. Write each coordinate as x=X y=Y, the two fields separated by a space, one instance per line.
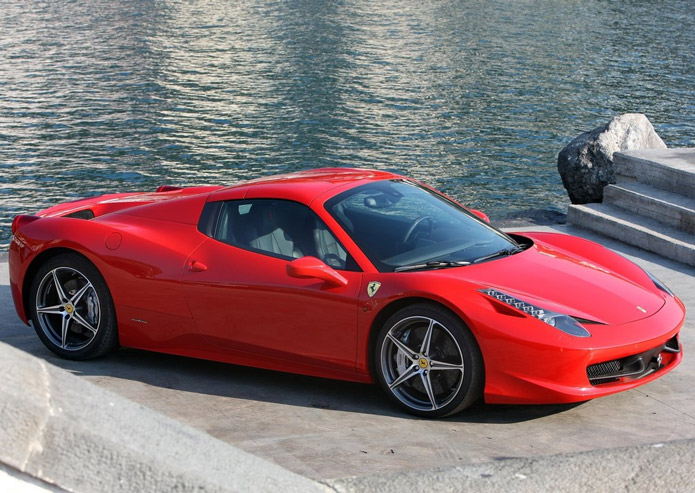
x=311 y=267
x=481 y=215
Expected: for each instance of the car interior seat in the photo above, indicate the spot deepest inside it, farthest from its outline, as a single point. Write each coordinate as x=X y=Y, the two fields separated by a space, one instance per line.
x=327 y=247
x=264 y=233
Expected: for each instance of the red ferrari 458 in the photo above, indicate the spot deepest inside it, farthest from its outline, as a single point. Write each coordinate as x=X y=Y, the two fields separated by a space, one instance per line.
x=350 y=274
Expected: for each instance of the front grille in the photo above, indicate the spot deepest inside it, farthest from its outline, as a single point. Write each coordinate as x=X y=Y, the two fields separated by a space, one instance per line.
x=600 y=381
x=631 y=367
x=602 y=370
x=612 y=371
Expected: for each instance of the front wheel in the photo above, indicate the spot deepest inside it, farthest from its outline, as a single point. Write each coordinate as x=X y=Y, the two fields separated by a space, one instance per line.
x=427 y=361
x=71 y=308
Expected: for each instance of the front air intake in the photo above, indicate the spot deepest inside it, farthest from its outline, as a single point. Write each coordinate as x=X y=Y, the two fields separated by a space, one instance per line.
x=632 y=367
x=672 y=345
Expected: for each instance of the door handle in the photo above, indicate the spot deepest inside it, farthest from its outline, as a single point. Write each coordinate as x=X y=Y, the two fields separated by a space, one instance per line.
x=195 y=266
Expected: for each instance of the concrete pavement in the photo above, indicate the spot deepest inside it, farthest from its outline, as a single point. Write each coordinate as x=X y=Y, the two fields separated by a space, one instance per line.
x=66 y=432
x=657 y=467
x=329 y=430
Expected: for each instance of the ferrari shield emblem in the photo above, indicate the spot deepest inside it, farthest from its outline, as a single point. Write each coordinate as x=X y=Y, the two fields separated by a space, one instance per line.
x=372 y=288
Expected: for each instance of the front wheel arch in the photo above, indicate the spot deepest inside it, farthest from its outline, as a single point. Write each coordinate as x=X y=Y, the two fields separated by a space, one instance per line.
x=457 y=350
x=394 y=307
x=387 y=311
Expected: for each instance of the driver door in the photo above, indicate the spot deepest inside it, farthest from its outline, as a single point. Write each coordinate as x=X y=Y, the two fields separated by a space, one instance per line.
x=243 y=299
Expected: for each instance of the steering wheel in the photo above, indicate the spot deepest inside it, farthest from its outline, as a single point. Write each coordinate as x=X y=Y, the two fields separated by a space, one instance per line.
x=414 y=226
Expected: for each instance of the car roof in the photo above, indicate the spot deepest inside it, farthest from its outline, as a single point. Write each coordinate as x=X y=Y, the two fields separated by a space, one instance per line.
x=302 y=186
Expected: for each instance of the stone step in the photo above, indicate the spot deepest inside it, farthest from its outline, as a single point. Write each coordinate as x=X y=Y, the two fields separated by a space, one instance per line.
x=666 y=207
x=669 y=169
x=636 y=230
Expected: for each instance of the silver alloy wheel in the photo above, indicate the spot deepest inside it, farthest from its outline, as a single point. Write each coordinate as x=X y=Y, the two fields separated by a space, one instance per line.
x=67 y=308
x=422 y=363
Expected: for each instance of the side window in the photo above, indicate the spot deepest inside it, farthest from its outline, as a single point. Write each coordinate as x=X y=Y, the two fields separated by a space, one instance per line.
x=280 y=228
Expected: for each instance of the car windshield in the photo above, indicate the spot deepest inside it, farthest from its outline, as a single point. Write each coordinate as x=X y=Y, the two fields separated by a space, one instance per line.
x=400 y=225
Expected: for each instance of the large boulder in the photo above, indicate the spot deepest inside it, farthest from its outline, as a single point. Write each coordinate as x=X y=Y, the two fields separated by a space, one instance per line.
x=586 y=164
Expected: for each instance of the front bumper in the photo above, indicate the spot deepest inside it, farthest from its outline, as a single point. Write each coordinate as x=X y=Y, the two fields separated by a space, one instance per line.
x=550 y=371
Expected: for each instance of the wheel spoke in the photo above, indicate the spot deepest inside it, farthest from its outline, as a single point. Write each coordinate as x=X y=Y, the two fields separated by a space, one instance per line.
x=51 y=310
x=64 y=332
x=406 y=375
x=78 y=318
x=402 y=347
x=425 y=349
x=59 y=288
x=428 y=387
x=77 y=296
x=441 y=365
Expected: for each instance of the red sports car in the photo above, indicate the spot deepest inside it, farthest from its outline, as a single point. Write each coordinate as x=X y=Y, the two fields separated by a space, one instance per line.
x=350 y=274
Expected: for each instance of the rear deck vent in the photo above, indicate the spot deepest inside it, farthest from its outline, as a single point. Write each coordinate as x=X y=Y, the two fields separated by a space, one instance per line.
x=83 y=214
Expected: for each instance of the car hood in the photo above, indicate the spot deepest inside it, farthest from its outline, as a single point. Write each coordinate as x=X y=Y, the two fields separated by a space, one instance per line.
x=578 y=278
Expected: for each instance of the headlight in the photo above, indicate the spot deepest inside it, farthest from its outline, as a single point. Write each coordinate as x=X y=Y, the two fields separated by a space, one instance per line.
x=659 y=284
x=560 y=321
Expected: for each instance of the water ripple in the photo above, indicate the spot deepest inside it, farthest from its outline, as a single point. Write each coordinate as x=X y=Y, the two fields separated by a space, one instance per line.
x=473 y=97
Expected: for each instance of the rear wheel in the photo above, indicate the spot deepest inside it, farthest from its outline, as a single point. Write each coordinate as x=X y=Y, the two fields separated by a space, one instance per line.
x=428 y=361
x=72 y=310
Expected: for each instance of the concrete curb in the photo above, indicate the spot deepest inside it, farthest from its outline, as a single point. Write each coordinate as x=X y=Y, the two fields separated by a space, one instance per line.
x=18 y=482
x=71 y=434
x=659 y=467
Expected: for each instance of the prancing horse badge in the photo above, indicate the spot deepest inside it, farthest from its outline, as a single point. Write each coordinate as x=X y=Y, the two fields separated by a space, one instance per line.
x=372 y=288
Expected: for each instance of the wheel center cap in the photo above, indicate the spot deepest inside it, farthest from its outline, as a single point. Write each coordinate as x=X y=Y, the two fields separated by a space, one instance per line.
x=69 y=308
x=423 y=363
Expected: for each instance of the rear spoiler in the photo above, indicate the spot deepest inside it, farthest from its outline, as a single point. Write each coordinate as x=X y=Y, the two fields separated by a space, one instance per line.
x=22 y=220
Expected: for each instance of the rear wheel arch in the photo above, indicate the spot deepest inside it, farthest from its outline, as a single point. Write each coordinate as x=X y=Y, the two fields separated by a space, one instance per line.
x=36 y=264
x=70 y=305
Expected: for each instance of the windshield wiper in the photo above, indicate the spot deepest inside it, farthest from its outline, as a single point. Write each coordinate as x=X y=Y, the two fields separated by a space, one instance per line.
x=502 y=253
x=433 y=264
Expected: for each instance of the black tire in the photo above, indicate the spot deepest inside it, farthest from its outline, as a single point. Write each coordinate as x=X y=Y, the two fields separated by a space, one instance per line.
x=78 y=320
x=430 y=380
